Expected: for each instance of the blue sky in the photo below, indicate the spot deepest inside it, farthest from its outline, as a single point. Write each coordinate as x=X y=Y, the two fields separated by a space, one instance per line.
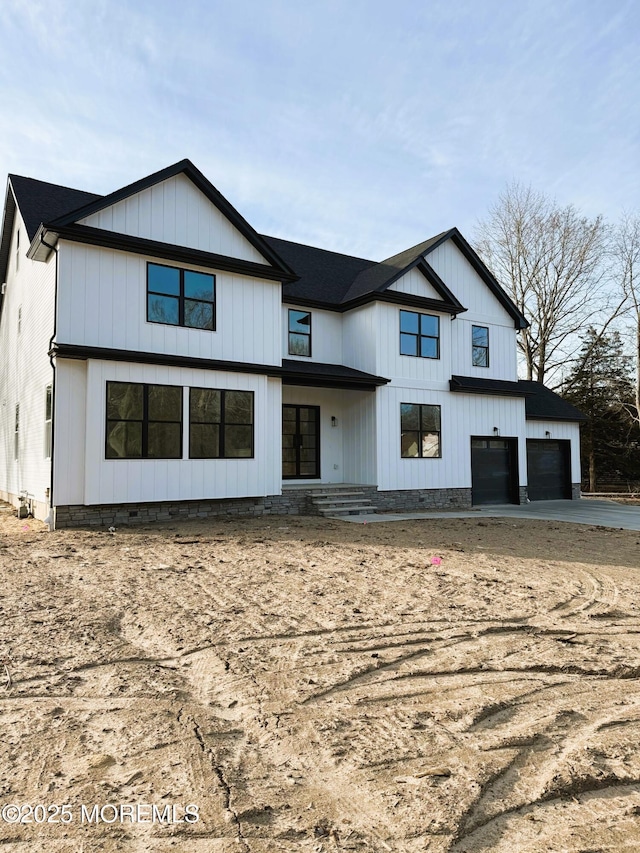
x=356 y=125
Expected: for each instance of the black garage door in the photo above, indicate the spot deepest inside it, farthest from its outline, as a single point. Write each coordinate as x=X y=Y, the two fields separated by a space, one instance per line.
x=548 y=470
x=494 y=470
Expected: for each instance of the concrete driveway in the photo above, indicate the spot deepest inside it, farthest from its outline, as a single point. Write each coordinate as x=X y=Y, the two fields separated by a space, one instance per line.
x=597 y=513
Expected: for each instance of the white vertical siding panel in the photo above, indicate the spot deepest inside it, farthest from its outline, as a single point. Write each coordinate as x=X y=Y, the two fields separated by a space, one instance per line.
x=416 y=284
x=359 y=344
x=462 y=415
x=391 y=364
x=359 y=415
x=25 y=371
x=70 y=432
x=462 y=280
x=502 y=350
x=326 y=335
x=132 y=481
x=248 y=310
x=175 y=211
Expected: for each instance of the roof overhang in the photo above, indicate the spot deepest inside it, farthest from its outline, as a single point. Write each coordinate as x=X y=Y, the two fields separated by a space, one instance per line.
x=492 y=387
x=319 y=375
x=46 y=238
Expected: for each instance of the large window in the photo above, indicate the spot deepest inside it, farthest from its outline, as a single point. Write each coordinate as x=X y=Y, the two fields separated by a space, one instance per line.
x=180 y=297
x=480 y=346
x=220 y=424
x=420 y=431
x=143 y=421
x=419 y=334
x=299 y=332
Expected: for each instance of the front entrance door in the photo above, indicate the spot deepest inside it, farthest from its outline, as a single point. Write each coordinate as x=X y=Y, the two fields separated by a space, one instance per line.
x=301 y=442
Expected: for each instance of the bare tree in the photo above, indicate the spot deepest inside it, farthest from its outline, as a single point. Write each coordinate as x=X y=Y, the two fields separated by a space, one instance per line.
x=550 y=259
x=625 y=256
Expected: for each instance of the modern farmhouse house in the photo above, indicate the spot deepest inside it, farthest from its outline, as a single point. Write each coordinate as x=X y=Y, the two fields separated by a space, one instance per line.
x=160 y=358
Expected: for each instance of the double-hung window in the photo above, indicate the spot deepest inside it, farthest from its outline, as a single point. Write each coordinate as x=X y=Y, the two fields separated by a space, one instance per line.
x=220 y=424
x=299 y=332
x=143 y=421
x=419 y=334
x=420 y=431
x=180 y=297
x=480 y=346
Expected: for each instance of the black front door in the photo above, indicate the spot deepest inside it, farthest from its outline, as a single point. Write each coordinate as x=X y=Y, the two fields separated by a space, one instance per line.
x=301 y=442
x=494 y=471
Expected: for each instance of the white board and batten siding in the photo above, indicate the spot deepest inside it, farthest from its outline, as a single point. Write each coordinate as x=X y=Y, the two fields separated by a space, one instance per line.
x=84 y=476
x=176 y=212
x=560 y=431
x=26 y=327
x=326 y=335
x=462 y=280
x=414 y=283
x=503 y=363
x=462 y=416
x=102 y=302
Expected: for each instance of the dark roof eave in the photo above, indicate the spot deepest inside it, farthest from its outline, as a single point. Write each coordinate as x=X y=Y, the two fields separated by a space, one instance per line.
x=153 y=248
x=558 y=419
x=392 y=296
x=493 y=387
x=187 y=168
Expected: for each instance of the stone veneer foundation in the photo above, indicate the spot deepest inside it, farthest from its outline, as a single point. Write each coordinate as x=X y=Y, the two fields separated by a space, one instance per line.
x=291 y=502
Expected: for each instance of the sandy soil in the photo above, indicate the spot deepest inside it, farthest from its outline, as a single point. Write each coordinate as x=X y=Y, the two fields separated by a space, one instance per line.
x=312 y=685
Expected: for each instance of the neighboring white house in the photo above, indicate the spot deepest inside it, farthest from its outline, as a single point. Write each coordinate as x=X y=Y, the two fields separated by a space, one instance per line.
x=160 y=358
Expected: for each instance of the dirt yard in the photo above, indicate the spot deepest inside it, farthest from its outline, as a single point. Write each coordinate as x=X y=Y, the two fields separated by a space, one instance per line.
x=300 y=684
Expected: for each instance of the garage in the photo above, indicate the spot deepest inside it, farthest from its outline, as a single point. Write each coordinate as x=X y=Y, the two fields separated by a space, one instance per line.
x=494 y=470
x=548 y=469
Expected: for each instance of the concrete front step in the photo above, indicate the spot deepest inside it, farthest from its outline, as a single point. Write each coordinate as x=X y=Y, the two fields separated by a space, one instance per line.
x=338 y=499
x=336 y=494
x=347 y=510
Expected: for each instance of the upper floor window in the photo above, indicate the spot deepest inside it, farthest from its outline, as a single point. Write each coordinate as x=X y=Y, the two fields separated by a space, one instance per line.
x=143 y=421
x=220 y=424
x=299 y=332
x=419 y=334
x=480 y=346
x=420 y=431
x=180 y=297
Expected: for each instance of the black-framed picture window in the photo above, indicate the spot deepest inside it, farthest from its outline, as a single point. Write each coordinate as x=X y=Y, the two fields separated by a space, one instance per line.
x=480 y=346
x=299 y=332
x=220 y=424
x=419 y=334
x=420 y=431
x=179 y=297
x=143 y=421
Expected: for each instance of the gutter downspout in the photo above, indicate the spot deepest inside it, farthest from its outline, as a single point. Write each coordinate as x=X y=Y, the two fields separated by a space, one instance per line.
x=51 y=517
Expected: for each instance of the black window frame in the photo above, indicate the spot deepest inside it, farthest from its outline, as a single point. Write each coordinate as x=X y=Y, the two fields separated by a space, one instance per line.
x=420 y=431
x=475 y=347
x=145 y=421
x=181 y=298
x=419 y=336
x=290 y=332
x=222 y=424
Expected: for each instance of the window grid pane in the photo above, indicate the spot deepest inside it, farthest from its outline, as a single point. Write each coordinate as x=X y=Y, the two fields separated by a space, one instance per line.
x=299 y=332
x=179 y=297
x=419 y=334
x=420 y=431
x=221 y=424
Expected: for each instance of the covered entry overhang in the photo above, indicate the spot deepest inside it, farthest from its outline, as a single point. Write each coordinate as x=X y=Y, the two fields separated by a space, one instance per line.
x=328 y=423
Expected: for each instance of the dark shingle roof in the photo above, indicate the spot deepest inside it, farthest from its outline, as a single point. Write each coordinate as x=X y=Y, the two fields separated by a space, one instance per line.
x=330 y=375
x=40 y=202
x=324 y=276
x=378 y=277
x=494 y=387
x=543 y=404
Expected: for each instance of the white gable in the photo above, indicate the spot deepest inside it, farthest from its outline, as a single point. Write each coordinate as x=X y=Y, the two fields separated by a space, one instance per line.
x=465 y=283
x=175 y=211
x=416 y=284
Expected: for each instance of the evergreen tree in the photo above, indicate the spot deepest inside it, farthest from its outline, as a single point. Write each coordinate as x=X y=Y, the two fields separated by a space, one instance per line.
x=601 y=387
